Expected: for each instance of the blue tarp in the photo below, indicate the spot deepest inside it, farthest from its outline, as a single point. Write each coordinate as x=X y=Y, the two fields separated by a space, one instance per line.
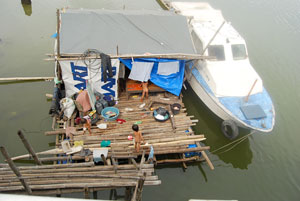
x=171 y=83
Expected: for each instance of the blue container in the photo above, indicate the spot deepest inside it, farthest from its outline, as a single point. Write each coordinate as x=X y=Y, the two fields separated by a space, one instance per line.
x=110 y=109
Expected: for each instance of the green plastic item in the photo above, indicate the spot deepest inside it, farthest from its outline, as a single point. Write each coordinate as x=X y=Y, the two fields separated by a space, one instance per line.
x=105 y=143
x=138 y=122
x=57 y=81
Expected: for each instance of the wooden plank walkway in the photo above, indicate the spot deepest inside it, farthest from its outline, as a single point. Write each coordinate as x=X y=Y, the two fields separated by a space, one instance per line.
x=67 y=178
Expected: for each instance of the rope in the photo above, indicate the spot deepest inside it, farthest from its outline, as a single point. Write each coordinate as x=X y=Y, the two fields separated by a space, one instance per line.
x=235 y=143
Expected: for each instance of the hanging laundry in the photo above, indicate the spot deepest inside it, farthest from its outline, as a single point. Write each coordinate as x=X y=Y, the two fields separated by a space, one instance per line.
x=141 y=71
x=168 y=68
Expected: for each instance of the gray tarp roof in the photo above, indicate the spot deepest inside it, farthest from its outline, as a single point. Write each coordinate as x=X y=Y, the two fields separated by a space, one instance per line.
x=134 y=32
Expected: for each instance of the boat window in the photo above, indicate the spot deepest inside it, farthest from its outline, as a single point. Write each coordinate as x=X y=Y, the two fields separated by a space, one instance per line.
x=197 y=43
x=238 y=51
x=216 y=51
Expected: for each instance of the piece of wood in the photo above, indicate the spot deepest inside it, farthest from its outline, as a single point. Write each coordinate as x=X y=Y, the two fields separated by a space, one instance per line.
x=181 y=160
x=142 y=160
x=211 y=166
x=86 y=193
x=26 y=78
x=29 y=148
x=103 y=159
x=172 y=119
x=15 y=170
x=252 y=87
x=58 y=32
x=129 y=56
x=140 y=188
x=95 y=195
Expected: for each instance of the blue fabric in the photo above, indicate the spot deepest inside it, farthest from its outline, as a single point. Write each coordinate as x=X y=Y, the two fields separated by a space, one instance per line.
x=151 y=154
x=171 y=83
x=54 y=35
x=191 y=154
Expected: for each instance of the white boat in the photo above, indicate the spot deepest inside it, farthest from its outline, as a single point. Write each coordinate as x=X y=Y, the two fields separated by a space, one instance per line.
x=227 y=83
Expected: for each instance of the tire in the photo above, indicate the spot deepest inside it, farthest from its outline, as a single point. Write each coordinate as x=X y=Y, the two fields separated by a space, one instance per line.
x=230 y=129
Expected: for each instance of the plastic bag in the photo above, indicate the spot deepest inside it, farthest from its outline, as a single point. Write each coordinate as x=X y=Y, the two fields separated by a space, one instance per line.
x=68 y=106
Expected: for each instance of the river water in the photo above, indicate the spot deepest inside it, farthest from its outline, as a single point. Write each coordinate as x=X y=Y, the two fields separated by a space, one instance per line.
x=263 y=167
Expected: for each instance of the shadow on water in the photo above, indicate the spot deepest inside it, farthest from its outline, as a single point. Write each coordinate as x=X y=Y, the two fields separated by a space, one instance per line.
x=239 y=155
x=27 y=7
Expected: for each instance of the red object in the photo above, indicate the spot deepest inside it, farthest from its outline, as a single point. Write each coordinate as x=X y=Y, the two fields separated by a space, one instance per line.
x=120 y=121
x=77 y=120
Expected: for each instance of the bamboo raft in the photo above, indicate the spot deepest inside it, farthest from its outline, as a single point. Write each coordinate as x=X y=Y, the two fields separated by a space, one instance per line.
x=171 y=137
x=123 y=166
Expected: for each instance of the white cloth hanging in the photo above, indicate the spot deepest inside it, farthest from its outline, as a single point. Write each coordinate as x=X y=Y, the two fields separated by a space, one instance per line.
x=168 y=68
x=141 y=71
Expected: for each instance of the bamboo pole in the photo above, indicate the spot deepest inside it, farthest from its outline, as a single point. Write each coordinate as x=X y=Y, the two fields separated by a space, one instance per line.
x=140 y=188
x=252 y=87
x=26 y=78
x=58 y=32
x=194 y=158
x=15 y=170
x=29 y=148
x=129 y=56
x=79 y=185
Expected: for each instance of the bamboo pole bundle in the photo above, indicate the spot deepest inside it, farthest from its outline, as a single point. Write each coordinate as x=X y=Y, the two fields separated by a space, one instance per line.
x=79 y=176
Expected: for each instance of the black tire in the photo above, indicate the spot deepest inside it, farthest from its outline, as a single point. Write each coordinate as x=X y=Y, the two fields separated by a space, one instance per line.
x=230 y=129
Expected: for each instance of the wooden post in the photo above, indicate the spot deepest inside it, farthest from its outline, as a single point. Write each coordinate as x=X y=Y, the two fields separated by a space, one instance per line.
x=104 y=159
x=15 y=169
x=86 y=193
x=113 y=194
x=114 y=164
x=135 y=191
x=95 y=195
x=127 y=193
x=183 y=163
x=172 y=119
x=29 y=148
x=58 y=193
x=134 y=163
x=140 y=187
x=142 y=159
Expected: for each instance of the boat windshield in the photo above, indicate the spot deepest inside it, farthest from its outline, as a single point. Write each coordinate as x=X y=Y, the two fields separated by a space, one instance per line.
x=238 y=51
x=216 y=51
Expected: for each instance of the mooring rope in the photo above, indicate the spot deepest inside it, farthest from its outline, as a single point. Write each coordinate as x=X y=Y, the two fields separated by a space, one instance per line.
x=235 y=143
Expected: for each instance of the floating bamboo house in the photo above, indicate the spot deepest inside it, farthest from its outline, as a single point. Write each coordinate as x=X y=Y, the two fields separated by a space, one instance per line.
x=103 y=156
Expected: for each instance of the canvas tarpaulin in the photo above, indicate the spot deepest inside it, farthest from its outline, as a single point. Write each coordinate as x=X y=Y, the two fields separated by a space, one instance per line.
x=75 y=73
x=133 y=32
x=171 y=83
